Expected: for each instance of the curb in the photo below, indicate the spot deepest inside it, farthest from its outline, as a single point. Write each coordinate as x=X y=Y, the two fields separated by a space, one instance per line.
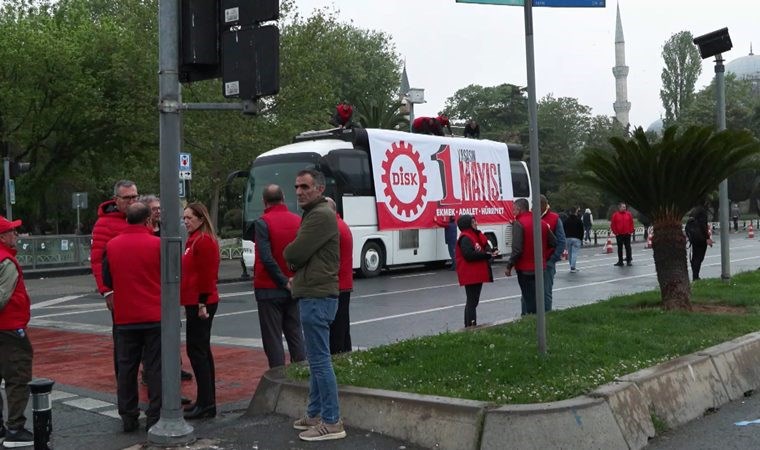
x=617 y=415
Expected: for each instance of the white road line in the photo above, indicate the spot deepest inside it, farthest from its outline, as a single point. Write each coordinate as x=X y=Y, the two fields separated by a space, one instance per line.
x=56 y=301
x=412 y=275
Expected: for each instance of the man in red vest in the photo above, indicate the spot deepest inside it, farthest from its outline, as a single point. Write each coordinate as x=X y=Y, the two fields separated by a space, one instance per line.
x=278 y=310
x=15 y=347
x=132 y=271
x=343 y=113
x=621 y=225
x=340 y=328
x=521 y=259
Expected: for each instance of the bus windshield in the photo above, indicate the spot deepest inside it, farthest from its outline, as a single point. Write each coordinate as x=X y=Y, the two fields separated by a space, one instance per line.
x=280 y=170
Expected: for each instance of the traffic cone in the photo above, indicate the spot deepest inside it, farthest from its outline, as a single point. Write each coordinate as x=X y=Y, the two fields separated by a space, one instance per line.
x=608 y=246
x=649 y=239
x=564 y=254
x=751 y=232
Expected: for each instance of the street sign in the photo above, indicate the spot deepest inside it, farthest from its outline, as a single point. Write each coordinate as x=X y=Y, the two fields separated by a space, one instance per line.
x=549 y=3
x=181 y=188
x=79 y=200
x=12 y=190
x=185 y=167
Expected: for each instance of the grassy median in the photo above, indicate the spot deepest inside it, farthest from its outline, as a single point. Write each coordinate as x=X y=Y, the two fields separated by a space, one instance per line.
x=587 y=346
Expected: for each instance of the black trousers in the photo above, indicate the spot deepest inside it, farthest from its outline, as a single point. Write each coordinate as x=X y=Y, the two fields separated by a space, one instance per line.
x=16 y=369
x=472 y=291
x=132 y=346
x=697 y=256
x=527 y=283
x=624 y=240
x=198 y=342
x=340 y=328
x=278 y=316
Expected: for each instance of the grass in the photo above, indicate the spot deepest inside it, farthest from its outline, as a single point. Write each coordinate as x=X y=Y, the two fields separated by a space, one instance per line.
x=587 y=346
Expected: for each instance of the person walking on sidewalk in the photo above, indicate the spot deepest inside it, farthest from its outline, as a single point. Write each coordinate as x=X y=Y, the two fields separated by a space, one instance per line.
x=735 y=214
x=473 y=255
x=15 y=346
x=132 y=271
x=340 y=329
x=573 y=226
x=621 y=225
x=555 y=255
x=200 y=297
x=698 y=234
x=588 y=223
x=314 y=257
x=278 y=310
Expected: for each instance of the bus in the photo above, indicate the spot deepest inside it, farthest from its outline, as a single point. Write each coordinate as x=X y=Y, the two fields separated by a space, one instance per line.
x=393 y=188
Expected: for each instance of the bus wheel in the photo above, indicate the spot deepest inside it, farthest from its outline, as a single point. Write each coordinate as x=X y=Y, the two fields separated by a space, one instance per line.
x=372 y=260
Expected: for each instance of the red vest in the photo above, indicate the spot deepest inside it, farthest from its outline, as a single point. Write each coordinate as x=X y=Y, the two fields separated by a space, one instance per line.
x=200 y=269
x=551 y=218
x=472 y=272
x=16 y=313
x=134 y=261
x=346 y=271
x=526 y=261
x=283 y=227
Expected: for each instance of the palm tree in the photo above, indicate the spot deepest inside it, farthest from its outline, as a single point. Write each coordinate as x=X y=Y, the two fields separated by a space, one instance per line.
x=384 y=114
x=664 y=180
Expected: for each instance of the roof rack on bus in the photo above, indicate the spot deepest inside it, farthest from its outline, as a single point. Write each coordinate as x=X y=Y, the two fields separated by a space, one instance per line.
x=344 y=134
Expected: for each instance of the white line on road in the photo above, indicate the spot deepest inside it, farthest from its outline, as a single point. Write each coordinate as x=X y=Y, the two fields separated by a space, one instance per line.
x=411 y=275
x=56 y=301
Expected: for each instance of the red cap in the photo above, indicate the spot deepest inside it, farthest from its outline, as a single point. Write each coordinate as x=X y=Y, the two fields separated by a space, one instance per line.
x=7 y=225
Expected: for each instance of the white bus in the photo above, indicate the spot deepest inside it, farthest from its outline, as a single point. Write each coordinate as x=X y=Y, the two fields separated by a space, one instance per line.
x=346 y=159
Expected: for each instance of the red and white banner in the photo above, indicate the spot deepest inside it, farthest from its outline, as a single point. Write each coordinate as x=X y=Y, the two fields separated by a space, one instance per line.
x=419 y=177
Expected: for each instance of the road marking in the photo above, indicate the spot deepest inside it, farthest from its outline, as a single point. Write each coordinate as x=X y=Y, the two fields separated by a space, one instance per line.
x=87 y=403
x=412 y=275
x=56 y=301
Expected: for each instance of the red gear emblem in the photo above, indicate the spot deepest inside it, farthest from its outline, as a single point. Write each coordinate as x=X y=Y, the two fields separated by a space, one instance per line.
x=407 y=209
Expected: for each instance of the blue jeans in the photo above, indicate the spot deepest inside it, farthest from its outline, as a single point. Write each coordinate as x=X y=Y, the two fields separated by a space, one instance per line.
x=316 y=316
x=573 y=249
x=549 y=284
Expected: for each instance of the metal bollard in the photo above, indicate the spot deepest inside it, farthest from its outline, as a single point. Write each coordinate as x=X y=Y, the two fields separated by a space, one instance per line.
x=42 y=412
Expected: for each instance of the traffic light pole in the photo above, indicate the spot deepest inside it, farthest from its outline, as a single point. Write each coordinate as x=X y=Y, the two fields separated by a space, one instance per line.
x=7 y=180
x=171 y=429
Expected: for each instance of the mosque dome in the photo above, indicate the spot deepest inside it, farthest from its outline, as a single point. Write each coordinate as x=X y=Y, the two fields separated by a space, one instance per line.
x=745 y=67
x=656 y=127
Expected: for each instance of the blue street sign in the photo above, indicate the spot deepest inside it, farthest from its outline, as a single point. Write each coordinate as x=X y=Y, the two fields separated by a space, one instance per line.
x=549 y=3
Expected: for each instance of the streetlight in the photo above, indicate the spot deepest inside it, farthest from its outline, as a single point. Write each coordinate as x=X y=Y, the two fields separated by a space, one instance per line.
x=414 y=96
x=714 y=44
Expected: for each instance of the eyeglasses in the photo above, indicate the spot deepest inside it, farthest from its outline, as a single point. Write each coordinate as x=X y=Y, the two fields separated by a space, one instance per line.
x=128 y=197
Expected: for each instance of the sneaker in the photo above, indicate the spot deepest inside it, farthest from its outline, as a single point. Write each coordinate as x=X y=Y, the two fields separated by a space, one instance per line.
x=573 y=270
x=2 y=428
x=324 y=432
x=619 y=264
x=306 y=422
x=19 y=438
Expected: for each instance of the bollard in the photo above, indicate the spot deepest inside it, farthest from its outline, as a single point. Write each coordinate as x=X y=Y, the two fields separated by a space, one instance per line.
x=42 y=412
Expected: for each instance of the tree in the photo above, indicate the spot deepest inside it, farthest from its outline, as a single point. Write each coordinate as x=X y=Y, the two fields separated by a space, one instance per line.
x=663 y=181
x=682 y=68
x=382 y=113
x=501 y=111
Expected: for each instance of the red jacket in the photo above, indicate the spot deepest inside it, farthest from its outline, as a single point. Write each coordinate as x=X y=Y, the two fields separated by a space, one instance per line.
x=134 y=264
x=200 y=269
x=621 y=223
x=345 y=271
x=16 y=313
x=282 y=226
x=475 y=271
x=526 y=262
x=110 y=223
x=344 y=113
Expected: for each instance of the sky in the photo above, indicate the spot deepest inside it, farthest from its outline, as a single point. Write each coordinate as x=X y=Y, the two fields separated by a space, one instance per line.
x=448 y=46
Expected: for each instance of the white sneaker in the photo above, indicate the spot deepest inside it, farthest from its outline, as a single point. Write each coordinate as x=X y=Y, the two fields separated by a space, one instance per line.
x=573 y=270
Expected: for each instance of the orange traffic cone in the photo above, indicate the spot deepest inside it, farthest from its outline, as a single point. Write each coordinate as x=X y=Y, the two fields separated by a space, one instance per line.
x=608 y=246
x=564 y=254
x=649 y=239
x=751 y=232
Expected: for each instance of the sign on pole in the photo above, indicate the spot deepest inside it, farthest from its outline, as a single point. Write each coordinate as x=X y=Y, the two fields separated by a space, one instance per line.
x=185 y=167
x=12 y=190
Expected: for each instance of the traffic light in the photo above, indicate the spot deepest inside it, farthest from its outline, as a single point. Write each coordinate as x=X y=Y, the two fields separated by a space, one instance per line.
x=199 y=40
x=17 y=168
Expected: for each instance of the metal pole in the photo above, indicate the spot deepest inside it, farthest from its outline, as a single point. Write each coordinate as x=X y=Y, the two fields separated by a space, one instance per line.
x=42 y=412
x=7 y=175
x=720 y=97
x=411 y=116
x=534 y=179
x=171 y=429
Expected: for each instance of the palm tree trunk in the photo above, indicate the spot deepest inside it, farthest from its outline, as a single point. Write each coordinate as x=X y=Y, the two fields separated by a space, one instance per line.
x=669 y=247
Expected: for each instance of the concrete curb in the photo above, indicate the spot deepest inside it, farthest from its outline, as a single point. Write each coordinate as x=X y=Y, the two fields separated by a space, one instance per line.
x=617 y=415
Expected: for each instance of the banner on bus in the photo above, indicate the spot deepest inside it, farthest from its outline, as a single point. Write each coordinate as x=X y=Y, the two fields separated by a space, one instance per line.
x=420 y=179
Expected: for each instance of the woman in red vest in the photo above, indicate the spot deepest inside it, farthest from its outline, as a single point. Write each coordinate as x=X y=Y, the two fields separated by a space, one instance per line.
x=200 y=297
x=473 y=264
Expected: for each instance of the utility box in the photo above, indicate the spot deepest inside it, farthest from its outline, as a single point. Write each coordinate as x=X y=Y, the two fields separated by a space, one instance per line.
x=416 y=95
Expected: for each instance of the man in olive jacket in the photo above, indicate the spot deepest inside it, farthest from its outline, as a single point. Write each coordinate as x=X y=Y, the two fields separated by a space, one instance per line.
x=314 y=258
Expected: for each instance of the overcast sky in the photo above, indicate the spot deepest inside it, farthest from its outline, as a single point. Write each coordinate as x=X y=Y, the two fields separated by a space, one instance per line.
x=449 y=45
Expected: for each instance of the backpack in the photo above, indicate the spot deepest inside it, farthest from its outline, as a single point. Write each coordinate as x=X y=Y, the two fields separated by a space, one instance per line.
x=694 y=232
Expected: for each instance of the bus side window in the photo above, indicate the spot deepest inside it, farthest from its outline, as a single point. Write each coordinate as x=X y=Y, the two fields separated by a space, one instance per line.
x=351 y=169
x=520 y=183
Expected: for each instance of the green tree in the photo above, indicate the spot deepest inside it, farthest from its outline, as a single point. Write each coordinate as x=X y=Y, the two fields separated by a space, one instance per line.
x=382 y=113
x=663 y=180
x=682 y=68
x=501 y=111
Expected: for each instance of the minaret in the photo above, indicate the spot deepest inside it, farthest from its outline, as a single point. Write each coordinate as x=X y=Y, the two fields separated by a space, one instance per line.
x=622 y=105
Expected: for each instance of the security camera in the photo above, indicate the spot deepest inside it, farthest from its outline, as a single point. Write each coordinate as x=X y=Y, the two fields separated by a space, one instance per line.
x=713 y=43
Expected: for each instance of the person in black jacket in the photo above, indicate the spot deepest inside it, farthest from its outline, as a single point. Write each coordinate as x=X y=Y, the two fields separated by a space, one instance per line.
x=472 y=129
x=699 y=237
x=573 y=226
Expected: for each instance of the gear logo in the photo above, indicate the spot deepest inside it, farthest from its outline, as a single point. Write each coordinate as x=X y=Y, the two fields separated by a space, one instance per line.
x=405 y=181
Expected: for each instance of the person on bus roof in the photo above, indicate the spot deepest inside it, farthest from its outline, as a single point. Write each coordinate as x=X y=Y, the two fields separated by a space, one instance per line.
x=427 y=125
x=343 y=113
